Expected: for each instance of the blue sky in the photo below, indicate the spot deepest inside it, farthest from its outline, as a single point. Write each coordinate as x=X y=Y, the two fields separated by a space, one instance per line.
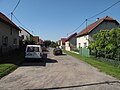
x=53 y=19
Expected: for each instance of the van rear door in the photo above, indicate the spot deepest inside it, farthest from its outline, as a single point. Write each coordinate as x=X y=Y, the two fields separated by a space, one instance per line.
x=33 y=52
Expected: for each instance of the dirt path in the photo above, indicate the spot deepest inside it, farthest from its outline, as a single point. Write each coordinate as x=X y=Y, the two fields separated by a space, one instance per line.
x=59 y=72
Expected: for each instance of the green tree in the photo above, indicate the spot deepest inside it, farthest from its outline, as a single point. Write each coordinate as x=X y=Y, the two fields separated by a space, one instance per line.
x=47 y=43
x=106 y=43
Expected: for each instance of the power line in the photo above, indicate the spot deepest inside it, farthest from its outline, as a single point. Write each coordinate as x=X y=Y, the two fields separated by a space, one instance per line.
x=94 y=16
x=104 y=10
x=14 y=9
x=22 y=24
x=16 y=6
x=77 y=27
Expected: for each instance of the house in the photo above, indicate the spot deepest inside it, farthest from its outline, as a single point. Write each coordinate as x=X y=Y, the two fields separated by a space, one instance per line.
x=62 y=43
x=9 y=35
x=24 y=35
x=70 y=42
x=37 y=40
x=86 y=34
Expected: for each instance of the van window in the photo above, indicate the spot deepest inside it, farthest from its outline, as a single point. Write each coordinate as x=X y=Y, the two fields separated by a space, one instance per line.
x=33 y=49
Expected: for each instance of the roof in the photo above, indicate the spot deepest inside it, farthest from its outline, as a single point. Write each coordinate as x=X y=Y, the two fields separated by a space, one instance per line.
x=95 y=24
x=67 y=39
x=63 y=40
x=7 y=20
x=26 y=31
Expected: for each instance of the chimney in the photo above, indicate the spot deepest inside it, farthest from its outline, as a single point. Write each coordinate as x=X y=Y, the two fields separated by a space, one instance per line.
x=97 y=19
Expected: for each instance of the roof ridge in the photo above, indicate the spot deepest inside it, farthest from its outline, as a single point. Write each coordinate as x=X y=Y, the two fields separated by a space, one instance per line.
x=94 y=24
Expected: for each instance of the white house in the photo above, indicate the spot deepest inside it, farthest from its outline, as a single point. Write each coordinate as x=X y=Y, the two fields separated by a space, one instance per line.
x=86 y=34
x=24 y=34
x=61 y=43
x=70 y=42
x=9 y=35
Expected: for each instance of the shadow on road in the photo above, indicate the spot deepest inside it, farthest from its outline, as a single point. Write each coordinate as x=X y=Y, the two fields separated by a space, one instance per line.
x=36 y=62
x=82 y=85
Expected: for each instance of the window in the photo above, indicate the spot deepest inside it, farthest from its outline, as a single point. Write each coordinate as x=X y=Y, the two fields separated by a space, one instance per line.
x=33 y=49
x=22 y=37
x=14 y=41
x=5 y=40
x=79 y=45
x=85 y=44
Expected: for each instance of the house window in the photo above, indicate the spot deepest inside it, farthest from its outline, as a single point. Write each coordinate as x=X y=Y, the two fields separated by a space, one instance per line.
x=85 y=45
x=22 y=37
x=5 y=40
x=79 y=45
x=14 y=41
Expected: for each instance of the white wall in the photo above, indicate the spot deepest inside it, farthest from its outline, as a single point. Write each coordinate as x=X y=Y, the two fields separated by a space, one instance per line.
x=24 y=33
x=67 y=47
x=81 y=40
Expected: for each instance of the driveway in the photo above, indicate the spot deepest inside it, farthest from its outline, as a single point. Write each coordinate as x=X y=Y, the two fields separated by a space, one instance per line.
x=61 y=72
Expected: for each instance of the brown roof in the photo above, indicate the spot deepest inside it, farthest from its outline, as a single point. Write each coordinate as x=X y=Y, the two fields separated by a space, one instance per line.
x=93 y=25
x=7 y=20
x=63 y=40
x=71 y=36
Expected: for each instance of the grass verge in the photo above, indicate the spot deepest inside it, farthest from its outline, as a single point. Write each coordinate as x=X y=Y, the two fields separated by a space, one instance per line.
x=108 y=69
x=6 y=69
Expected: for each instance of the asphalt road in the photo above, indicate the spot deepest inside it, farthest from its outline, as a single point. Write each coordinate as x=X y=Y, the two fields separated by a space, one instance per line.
x=58 y=73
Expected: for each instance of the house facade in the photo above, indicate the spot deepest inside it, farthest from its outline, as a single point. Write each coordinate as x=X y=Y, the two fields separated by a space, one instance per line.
x=70 y=42
x=62 y=43
x=24 y=35
x=37 y=40
x=86 y=34
x=9 y=35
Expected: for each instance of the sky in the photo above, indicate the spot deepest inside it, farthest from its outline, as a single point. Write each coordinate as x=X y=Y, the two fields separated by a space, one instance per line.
x=55 y=19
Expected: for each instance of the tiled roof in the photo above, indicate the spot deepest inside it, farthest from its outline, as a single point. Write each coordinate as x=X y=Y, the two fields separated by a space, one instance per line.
x=7 y=20
x=63 y=40
x=67 y=39
x=93 y=25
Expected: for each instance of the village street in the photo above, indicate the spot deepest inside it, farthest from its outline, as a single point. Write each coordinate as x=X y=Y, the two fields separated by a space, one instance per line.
x=61 y=72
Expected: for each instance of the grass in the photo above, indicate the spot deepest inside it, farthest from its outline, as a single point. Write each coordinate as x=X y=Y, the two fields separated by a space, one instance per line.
x=6 y=69
x=10 y=62
x=108 y=69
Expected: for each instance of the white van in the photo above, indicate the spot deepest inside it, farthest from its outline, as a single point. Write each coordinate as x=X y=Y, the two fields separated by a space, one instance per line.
x=33 y=51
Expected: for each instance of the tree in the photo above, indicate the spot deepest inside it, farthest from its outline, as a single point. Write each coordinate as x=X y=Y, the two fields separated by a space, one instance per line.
x=106 y=43
x=47 y=43
x=53 y=44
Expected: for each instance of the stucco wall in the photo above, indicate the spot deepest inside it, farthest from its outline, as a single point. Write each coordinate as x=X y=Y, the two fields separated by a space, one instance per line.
x=82 y=40
x=26 y=34
x=67 y=46
x=72 y=41
x=103 y=26
x=5 y=31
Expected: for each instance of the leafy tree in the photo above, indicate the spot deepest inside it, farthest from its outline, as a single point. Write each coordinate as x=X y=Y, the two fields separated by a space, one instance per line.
x=47 y=43
x=53 y=44
x=106 y=43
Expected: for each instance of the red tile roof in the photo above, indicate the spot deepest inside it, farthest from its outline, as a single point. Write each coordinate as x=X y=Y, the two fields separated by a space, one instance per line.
x=7 y=20
x=63 y=40
x=67 y=39
x=95 y=24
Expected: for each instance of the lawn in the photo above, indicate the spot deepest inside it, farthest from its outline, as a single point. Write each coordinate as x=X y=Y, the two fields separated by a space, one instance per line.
x=103 y=67
x=9 y=63
x=6 y=69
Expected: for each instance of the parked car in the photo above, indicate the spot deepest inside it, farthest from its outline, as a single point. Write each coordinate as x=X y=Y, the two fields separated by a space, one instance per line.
x=34 y=52
x=57 y=51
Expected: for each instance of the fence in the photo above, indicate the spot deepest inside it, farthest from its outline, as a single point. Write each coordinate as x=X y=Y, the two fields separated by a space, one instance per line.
x=84 y=52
